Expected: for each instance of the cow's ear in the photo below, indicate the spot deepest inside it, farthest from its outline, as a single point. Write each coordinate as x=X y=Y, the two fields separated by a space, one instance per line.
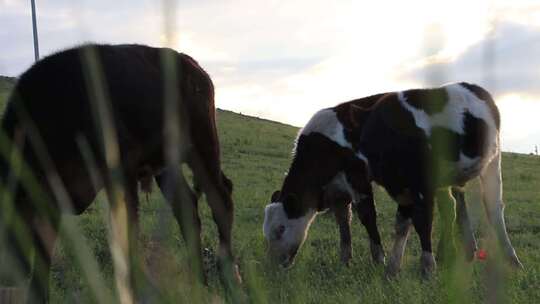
x=292 y=206
x=275 y=196
x=357 y=115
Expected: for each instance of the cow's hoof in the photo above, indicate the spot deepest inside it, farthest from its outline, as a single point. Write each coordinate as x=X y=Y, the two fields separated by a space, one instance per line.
x=346 y=256
x=470 y=252
x=514 y=261
x=236 y=274
x=392 y=268
x=377 y=254
x=11 y=295
x=427 y=263
x=230 y=272
x=470 y=247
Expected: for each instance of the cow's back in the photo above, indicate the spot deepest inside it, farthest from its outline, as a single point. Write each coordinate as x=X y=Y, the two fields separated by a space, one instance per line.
x=428 y=138
x=60 y=93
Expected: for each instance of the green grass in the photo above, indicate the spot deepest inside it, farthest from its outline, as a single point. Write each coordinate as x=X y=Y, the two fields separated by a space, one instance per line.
x=255 y=155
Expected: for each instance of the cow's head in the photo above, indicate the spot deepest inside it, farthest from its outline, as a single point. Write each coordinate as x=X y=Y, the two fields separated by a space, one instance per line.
x=285 y=234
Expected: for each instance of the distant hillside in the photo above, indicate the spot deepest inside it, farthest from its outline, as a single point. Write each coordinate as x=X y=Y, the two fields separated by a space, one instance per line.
x=6 y=84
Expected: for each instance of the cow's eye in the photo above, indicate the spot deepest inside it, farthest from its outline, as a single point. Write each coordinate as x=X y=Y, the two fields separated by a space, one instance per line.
x=279 y=232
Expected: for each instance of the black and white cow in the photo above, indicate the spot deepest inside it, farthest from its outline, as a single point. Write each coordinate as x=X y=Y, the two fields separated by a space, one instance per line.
x=320 y=177
x=416 y=144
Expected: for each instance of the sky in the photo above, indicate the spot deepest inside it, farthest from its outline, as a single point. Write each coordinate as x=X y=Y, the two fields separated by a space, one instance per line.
x=284 y=60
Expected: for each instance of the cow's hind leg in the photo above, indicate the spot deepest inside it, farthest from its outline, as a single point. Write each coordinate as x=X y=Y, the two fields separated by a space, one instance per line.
x=183 y=201
x=145 y=290
x=130 y=278
x=218 y=190
x=26 y=253
x=447 y=214
x=15 y=262
x=491 y=180
x=342 y=212
x=402 y=230
x=422 y=219
x=466 y=231
x=44 y=238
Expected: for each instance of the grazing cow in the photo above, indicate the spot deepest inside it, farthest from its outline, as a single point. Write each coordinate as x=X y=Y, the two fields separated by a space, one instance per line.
x=419 y=143
x=102 y=116
x=401 y=155
x=324 y=167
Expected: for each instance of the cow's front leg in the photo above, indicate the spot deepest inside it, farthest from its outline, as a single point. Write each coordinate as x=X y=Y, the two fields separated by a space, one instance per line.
x=365 y=209
x=183 y=201
x=446 y=249
x=342 y=212
x=364 y=204
x=422 y=219
x=402 y=229
x=467 y=234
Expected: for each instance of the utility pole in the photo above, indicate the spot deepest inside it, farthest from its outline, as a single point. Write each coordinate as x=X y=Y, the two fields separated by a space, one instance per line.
x=34 y=26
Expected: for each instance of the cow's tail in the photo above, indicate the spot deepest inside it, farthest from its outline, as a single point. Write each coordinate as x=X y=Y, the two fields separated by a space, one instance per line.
x=227 y=182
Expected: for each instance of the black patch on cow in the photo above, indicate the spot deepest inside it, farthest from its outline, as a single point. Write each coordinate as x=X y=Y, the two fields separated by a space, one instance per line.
x=430 y=100
x=292 y=206
x=395 y=147
x=348 y=117
x=484 y=95
x=392 y=113
x=316 y=161
x=474 y=140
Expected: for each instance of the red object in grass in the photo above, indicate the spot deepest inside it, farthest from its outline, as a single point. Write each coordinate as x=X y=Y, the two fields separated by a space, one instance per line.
x=481 y=254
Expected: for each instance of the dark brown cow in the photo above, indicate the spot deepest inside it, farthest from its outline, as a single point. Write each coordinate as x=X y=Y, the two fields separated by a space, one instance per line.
x=102 y=116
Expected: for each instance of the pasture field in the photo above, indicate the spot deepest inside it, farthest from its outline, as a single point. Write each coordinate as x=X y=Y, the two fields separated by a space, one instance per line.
x=256 y=154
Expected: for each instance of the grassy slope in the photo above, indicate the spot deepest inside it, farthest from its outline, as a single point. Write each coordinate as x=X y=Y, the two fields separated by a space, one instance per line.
x=259 y=164
x=256 y=155
x=6 y=83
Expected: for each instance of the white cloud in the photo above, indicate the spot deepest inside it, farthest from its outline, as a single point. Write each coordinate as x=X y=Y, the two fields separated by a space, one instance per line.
x=286 y=59
x=507 y=61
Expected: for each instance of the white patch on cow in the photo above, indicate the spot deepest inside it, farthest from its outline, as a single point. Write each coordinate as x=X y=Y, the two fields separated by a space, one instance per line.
x=420 y=116
x=293 y=231
x=467 y=162
x=460 y=100
x=326 y=123
x=361 y=156
x=477 y=107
